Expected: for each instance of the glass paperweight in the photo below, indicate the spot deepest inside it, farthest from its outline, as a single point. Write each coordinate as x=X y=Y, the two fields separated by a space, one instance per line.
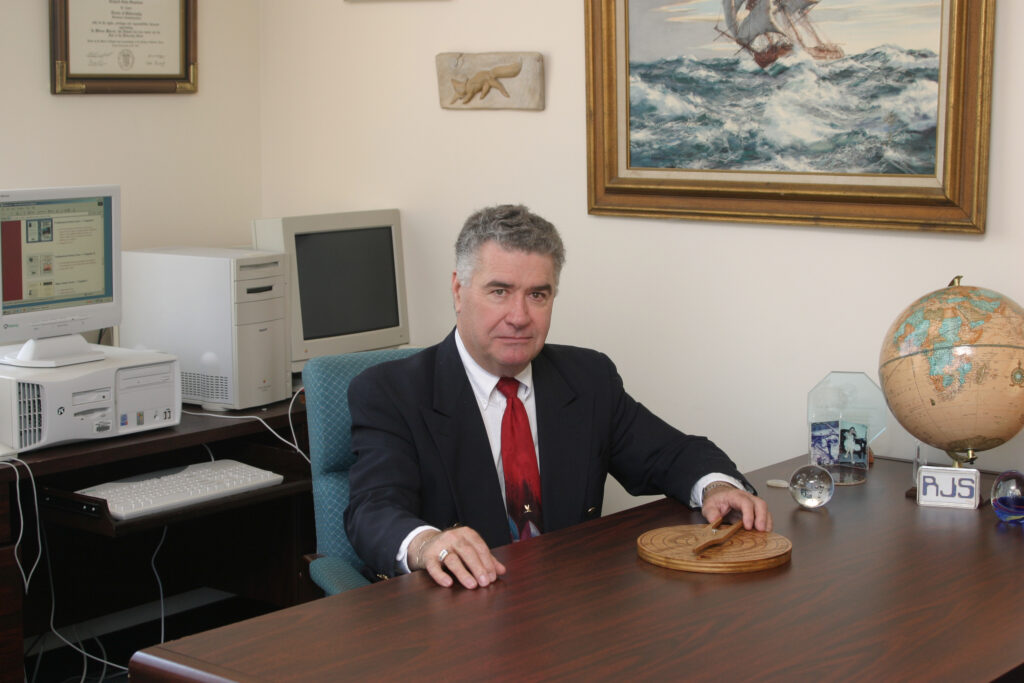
x=811 y=486
x=845 y=412
x=1008 y=497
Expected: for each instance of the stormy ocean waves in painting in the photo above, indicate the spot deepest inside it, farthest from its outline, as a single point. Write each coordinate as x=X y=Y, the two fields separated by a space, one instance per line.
x=873 y=112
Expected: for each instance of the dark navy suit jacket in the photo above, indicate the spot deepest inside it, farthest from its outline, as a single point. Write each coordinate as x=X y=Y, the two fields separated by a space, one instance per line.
x=422 y=454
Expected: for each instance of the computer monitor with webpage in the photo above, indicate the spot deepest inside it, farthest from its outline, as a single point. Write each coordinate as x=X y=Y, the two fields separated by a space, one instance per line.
x=347 y=280
x=59 y=272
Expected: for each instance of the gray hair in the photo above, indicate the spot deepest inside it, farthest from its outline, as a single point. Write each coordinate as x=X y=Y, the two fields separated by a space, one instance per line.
x=512 y=227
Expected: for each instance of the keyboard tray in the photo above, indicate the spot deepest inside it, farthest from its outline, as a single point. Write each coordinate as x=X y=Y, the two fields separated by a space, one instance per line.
x=151 y=493
x=61 y=506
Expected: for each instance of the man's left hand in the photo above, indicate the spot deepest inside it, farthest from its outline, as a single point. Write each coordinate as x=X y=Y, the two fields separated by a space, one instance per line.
x=721 y=500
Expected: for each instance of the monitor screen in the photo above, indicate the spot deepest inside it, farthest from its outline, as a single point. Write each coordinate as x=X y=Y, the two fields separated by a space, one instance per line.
x=347 y=282
x=59 y=258
x=335 y=261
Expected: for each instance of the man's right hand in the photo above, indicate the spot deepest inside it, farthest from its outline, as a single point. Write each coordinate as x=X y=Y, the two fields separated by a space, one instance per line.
x=461 y=551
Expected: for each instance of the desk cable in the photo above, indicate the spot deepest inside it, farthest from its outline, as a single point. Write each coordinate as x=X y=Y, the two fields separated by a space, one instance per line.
x=77 y=646
x=294 y=443
x=44 y=548
x=121 y=675
x=25 y=578
x=44 y=552
x=53 y=628
x=159 y=583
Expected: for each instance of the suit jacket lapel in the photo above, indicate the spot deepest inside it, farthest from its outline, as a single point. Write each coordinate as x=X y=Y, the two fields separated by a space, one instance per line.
x=465 y=452
x=563 y=435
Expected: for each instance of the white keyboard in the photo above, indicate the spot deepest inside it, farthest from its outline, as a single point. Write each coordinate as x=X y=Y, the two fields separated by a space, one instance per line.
x=178 y=487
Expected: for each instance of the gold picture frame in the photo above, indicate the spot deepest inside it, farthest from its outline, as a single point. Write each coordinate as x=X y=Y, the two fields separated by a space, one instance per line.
x=147 y=46
x=952 y=199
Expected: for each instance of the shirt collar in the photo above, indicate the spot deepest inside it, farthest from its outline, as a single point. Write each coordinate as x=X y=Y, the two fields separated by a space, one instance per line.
x=484 y=383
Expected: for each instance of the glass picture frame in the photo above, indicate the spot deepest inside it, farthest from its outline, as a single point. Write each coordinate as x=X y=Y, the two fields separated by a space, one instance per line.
x=846 y=412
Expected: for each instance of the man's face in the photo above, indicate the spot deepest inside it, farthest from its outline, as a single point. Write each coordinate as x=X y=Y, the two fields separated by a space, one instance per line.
x=503 y=315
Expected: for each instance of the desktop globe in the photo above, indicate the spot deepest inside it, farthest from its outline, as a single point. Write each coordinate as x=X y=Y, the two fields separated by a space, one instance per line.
x=952 y=369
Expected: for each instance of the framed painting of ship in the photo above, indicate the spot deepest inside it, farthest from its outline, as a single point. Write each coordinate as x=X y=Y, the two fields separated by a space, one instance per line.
x=797 y=112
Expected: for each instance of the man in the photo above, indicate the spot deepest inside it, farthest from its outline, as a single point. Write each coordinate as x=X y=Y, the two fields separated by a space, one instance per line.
x=447 y=466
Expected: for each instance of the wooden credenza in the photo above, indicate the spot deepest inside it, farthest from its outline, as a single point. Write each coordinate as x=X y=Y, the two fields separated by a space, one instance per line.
x=250 y=545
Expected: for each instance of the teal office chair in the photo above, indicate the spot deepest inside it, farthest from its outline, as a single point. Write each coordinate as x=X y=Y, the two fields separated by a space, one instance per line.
x=330 y=451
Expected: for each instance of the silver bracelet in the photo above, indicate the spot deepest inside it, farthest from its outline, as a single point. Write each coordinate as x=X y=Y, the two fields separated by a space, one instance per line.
x=419 y=551
x=715 y=485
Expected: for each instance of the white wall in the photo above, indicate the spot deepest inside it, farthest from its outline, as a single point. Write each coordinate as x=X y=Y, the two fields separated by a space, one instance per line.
x=188 y=165
x=745 y=318
x=319 y=105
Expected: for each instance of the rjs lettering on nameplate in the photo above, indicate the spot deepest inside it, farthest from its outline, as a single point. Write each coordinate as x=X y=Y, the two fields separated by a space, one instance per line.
x=948 y=487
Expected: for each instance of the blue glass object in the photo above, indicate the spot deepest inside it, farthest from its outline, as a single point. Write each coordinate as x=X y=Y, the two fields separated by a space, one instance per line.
x=1008 y=497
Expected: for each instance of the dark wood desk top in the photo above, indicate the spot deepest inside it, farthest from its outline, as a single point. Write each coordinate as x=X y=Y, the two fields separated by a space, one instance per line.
x=877 y=589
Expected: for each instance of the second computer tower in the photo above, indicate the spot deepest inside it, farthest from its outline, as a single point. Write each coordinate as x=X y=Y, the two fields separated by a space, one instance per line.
x=222 y=312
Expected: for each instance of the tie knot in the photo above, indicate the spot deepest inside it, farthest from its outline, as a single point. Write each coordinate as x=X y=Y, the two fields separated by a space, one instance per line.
x=508 y=386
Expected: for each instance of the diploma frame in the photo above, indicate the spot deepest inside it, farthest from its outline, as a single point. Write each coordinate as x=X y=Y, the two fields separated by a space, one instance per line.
x=63 y=82
x=956 y=202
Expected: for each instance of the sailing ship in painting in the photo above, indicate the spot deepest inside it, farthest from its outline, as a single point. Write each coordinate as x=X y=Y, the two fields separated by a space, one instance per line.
x=768 y=29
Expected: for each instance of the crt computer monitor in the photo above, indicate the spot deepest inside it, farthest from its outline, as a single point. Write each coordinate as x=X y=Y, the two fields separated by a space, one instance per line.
x=59 y=272
x=347 y=280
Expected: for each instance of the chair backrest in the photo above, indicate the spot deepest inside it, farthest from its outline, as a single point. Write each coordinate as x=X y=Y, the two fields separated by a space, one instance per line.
x=326 y=381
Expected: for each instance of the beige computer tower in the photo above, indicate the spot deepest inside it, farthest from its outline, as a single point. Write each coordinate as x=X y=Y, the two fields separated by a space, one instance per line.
x=222 y=312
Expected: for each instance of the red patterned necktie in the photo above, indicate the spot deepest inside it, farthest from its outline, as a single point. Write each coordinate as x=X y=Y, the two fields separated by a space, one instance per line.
x=519 y=461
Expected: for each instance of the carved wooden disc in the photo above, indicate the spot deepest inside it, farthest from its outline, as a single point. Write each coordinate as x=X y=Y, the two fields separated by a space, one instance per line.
x=745 y=551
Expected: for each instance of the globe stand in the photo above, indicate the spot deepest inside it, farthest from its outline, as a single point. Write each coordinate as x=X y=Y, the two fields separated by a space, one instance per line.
x=961 y=459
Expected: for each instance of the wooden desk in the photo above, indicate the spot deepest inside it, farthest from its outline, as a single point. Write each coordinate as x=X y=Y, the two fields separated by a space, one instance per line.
x=876 y=590
x=250 y=545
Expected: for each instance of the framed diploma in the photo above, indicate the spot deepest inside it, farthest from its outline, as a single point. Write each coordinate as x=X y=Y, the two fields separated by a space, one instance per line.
x=123 y=46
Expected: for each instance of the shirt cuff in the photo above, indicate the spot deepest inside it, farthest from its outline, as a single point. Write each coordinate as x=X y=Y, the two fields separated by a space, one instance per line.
x=697 y=492
x=403 y=550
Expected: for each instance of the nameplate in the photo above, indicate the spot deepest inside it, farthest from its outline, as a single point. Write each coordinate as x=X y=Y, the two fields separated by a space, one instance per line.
x=948 y=487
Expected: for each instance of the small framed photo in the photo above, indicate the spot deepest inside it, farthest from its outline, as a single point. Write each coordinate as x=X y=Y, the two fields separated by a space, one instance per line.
x=841 y=447
x=825 y=443
x=853 y=443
